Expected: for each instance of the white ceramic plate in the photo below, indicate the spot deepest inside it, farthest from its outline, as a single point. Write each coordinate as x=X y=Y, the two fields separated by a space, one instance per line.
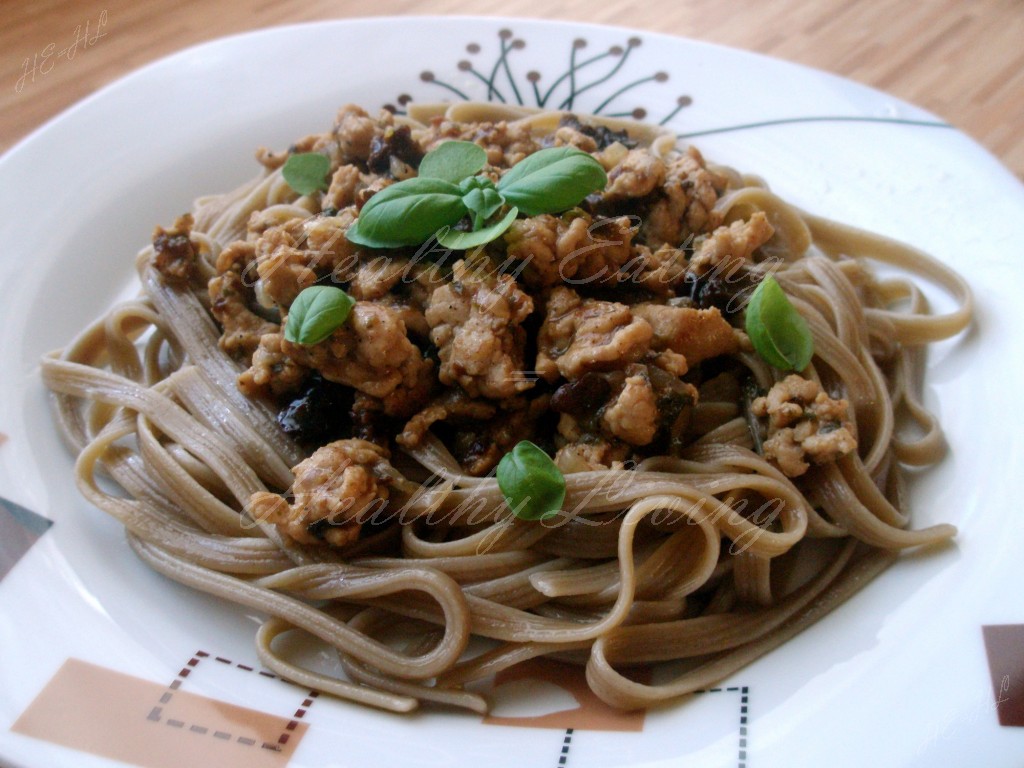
x=897 y=677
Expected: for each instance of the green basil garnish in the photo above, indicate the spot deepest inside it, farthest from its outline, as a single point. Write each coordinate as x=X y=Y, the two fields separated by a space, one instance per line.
x=552 y=180
x=316 y=313
x=410 y=212
x=453 y=161
x=407 y=213
x=533 y=487
x=306 y=172
x=481 y=198
x=778 y=332
x=463 y=241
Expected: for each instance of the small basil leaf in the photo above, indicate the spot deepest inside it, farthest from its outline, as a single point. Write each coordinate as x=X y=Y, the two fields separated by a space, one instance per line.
x=777 y=331
x=475 y=182
x=461 y=241
x=407 y=213
x=315 y=314
x=552 y=180
x=306 y=172
x=452 y=161
x=533 y=487
x=483 y=202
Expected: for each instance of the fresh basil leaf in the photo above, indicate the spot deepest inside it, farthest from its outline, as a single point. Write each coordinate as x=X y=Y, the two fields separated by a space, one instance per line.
x=482 y=203
x=407 y=213
x=533 y=487
x=552 y=180
x=452 y=161
x=779 y=334
x=306 y=172
x=316 y=313
x=462 y=241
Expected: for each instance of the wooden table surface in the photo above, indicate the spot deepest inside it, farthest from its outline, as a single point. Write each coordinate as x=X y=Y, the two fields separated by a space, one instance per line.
x=961 y=59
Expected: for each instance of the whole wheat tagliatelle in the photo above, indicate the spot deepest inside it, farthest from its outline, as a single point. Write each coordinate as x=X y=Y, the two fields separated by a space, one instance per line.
x=715 y=505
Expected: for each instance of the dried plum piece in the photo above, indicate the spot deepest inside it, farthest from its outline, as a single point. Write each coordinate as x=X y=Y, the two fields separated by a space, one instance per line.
x=319 y=414
x=728 y=292
x=396 y=143
x=602 y=134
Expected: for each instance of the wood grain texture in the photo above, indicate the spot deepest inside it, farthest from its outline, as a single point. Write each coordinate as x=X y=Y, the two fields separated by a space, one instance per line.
x=961 y=60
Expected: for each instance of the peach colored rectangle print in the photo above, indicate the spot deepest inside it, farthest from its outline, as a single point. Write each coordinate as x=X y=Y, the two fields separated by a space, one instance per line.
x=107 y=713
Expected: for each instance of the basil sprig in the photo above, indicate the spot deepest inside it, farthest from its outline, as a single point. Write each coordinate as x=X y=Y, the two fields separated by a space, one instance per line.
x=316 y=313
x=533 y=487
x=447 y=190
x=306 y=172
x=777 y=331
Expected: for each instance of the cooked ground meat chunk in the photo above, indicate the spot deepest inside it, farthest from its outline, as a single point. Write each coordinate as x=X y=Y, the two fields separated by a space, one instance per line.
x=569 y=136
x=478 y=432
x=581 y=335
x=336 y=489
x=543 y=244
x=354 y=130
x=635 y=405
x=476 y=324
x=661 y=271
x=294 y=255
x=638 y=174
x=232 y=301
x=284 y=269
x=272 y=374
x=372 y=353
x=375 y=277
x=573 y=248
x=452 y=405
x=581 y=450
x=686 y=205
x=727 y=247
x=176 y=254
x=633 y=415
x=804 y=423
x=608 y=248
x=346 y=184
x=696 y=334
x=410 y=296
x=590 y=456
x=400 y=283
